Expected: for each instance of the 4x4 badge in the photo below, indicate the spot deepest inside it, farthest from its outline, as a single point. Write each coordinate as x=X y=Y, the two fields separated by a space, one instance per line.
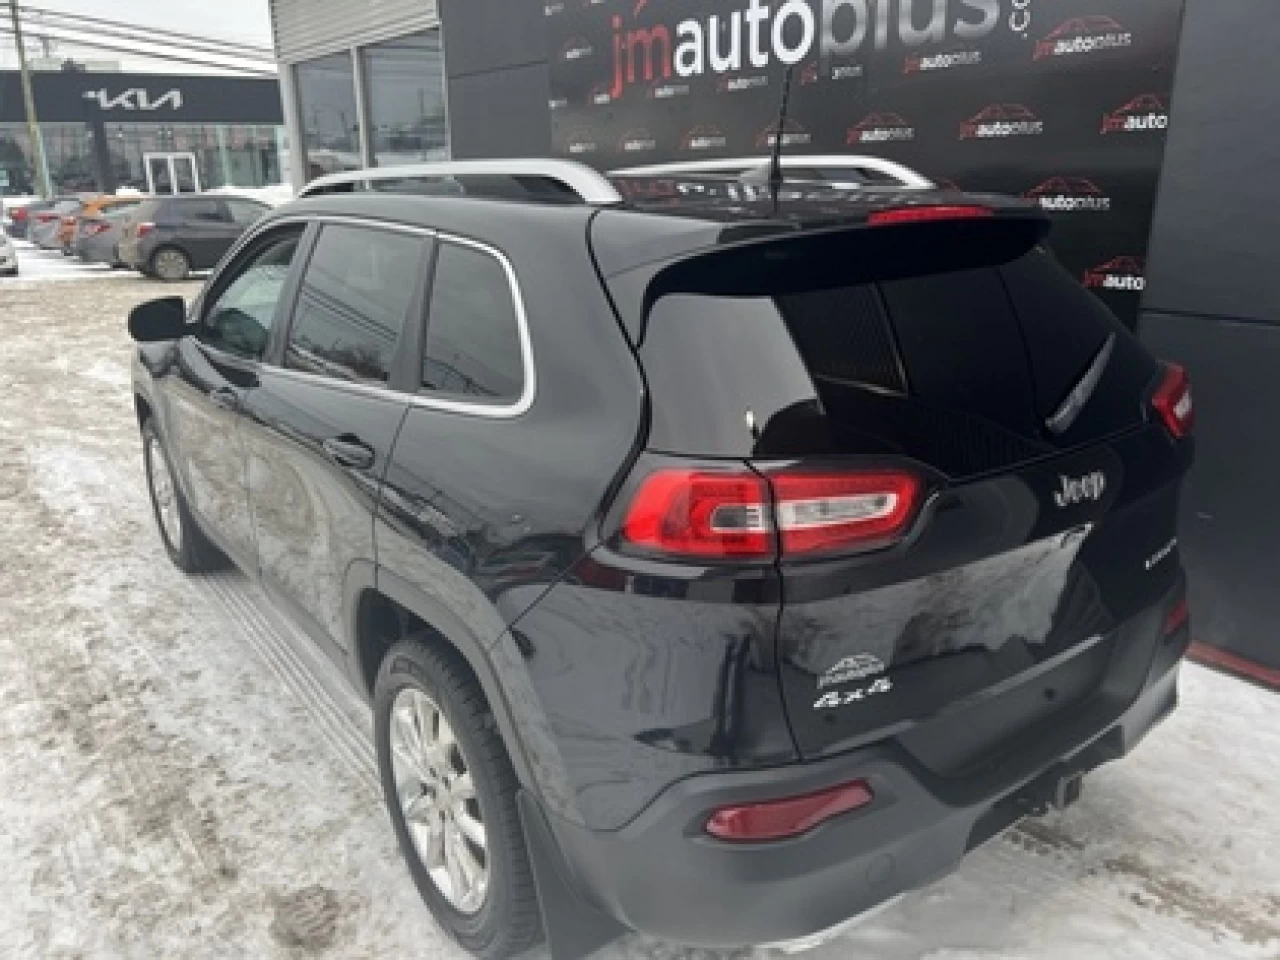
x=843 y=698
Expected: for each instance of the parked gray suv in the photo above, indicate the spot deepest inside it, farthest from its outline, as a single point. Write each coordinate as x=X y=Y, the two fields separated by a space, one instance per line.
x=168 y=237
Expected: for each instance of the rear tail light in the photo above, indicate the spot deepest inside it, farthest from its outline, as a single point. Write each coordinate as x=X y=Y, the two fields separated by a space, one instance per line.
x=1178 y=617
x=20 y=213
x=45 y=217
x=929 y=213
x=144 y=229
x=1173 y=401
x=818 y=513
x=93 y=229
x=741 y=514
x=701 y=514
x=779 y=819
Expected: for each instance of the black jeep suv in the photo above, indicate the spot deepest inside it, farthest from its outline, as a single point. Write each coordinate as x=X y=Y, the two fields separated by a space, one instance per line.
x=719 y=562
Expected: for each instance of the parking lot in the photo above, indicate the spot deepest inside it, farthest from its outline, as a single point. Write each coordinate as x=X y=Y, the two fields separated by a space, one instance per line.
x=183 y=777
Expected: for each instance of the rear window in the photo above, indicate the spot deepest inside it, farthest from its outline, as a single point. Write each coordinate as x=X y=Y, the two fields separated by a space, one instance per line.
x=958 y=368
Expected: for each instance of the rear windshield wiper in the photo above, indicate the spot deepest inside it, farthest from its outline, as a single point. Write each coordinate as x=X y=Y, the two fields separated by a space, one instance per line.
x=1062 y=419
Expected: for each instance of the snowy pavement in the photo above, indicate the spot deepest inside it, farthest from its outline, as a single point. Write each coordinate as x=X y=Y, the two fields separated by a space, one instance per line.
x=182 y=775
x=37 y=264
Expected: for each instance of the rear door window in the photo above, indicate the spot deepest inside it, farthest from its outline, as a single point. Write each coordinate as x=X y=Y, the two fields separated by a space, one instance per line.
x=473 y=347
x=354 y=301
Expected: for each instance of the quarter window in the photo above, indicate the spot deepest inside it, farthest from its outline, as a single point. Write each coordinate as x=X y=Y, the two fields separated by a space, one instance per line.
x=204 y=210
x=473 y=337
x=353 y=302
x=240 y=319
x=245 y=212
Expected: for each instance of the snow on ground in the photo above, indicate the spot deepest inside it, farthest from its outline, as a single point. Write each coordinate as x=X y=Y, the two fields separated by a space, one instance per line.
x=45 y=265
x=183 y=777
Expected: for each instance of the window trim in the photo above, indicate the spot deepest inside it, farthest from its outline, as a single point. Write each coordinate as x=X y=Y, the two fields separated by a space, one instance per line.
x=495 y=411
x=521 y=327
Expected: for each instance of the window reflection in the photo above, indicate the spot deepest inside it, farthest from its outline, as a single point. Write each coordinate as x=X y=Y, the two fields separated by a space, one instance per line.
x=330 y=123
x=406 y=99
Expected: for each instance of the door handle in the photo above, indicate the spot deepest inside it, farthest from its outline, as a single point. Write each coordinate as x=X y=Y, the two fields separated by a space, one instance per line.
x=349 y=451
x=225 y=398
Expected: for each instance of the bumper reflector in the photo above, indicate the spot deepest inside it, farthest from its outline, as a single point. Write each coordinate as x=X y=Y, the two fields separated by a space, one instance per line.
x=790 y=817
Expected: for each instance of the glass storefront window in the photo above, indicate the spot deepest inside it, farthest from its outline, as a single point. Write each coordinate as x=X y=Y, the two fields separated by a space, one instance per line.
x=406 y=99
x=239 y=155
x=330 y=123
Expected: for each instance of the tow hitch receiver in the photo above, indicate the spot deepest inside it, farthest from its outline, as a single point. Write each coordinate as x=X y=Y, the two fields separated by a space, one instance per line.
x=1054 y=789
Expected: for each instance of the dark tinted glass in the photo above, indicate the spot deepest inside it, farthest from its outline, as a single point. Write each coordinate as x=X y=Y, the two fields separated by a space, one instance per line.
x=194 y=210
x=353 y=302
x=240 y=319
x=473 y=337
x=330 y=122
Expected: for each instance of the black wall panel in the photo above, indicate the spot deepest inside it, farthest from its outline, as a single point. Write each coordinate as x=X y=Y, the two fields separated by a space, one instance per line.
x=500 y=113
x=485 y=35
x=1216 y=235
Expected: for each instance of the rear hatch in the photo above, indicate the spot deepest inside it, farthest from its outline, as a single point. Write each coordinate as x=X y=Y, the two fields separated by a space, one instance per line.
x=971 y=495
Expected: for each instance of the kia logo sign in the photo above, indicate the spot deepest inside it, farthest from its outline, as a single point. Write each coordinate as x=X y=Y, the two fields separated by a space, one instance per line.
x=135 y=98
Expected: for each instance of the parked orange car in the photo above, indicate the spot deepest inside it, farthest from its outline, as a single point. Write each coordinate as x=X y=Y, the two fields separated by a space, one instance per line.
x=92 y=209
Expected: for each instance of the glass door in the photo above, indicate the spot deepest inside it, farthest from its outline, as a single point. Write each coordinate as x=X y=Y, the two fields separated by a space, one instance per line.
x=172 y=173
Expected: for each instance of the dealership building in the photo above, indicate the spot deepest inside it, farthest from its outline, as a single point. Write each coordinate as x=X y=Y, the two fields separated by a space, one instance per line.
x=110 y=129
x=1142 y=128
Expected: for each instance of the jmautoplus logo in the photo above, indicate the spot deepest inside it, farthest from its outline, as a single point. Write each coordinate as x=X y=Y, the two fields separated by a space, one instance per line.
x=1069 y=195
x=704 y=137
x=582 y=142
x=1144 y=114
x=754 y=36
x=1120 y=273
x=880 y=128
x=637 y=141
x=739 y=84
x=576 y=48
x=915 y=63
x=1001 y=120
x=794 y=135
x=1084 y=35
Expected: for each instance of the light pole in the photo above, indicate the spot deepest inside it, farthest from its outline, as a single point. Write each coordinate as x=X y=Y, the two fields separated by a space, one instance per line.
x=29 y=101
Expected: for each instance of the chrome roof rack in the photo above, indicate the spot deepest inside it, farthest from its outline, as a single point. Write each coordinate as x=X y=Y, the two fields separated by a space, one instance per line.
x=744 y=166
x=589 y=185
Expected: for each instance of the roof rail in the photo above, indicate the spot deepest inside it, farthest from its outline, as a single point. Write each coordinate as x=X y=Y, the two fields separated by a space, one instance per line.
x=742 y=166
x=588 y=184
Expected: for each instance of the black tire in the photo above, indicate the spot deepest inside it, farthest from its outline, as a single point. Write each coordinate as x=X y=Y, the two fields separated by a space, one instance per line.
x=170 y=264
x=508 y=922
x=193 y=553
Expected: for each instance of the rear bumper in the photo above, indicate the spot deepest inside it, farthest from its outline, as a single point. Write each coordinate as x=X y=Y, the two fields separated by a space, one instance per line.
x=662 y=875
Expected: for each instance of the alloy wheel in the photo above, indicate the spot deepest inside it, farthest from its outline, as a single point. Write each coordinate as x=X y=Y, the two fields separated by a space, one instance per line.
x=164 y=493
x=437 y=797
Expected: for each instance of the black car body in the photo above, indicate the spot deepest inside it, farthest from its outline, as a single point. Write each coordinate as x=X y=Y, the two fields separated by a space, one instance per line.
x=168 y=237
x=797 y=547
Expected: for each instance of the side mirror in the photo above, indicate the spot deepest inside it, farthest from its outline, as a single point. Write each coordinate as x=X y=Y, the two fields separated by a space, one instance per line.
x=158 y=320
